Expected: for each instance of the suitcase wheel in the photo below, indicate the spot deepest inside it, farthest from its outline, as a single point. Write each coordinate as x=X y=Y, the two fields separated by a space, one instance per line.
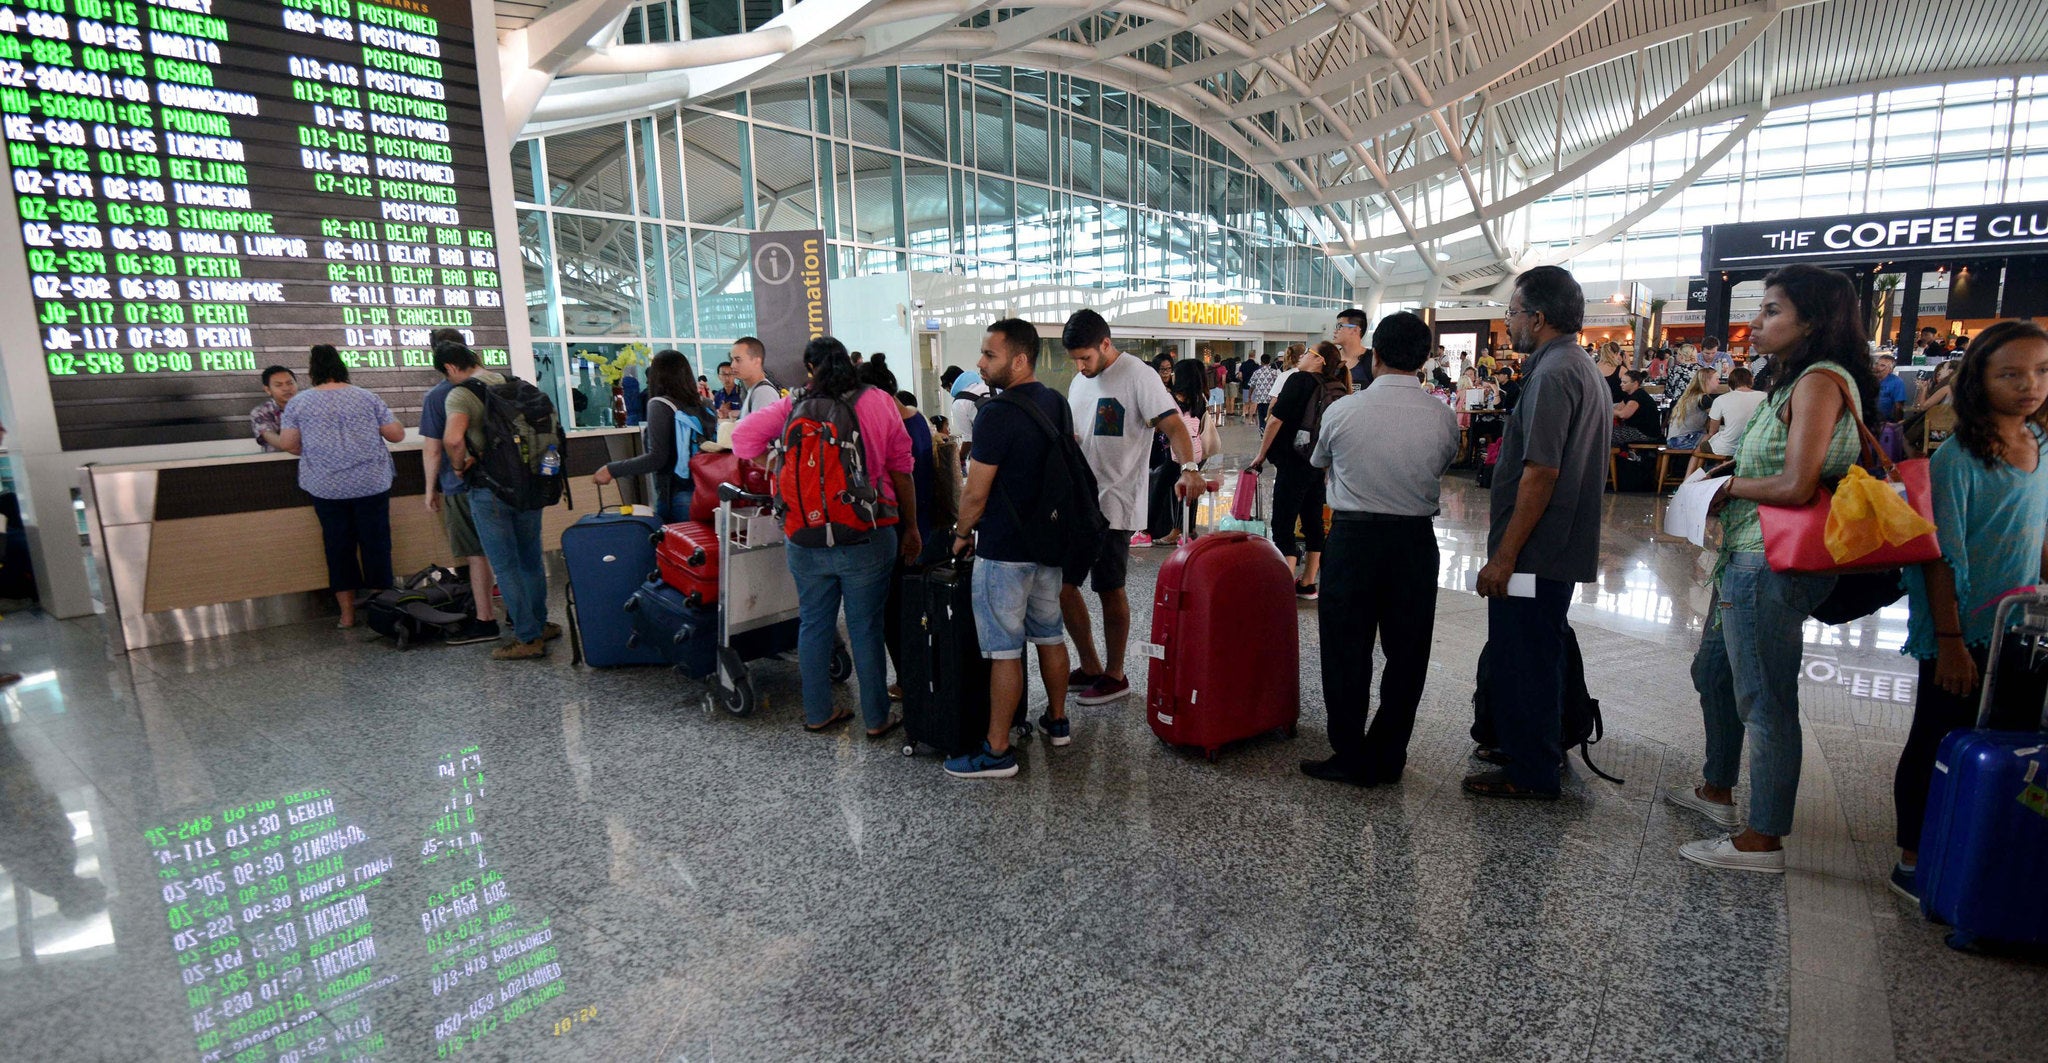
x=842 y=664
x=735 y=685
x=910 y=749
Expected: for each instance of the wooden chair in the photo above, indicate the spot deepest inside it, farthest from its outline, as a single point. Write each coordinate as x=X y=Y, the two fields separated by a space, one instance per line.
x=1935 y=426
x=1664 y=456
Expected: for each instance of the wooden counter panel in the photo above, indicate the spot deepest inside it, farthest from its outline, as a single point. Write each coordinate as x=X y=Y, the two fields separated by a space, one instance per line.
x=227 y=557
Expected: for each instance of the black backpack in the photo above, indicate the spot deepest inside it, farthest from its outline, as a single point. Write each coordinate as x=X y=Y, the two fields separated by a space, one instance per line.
x=1580 y=724
x=432 y=603
x=520 y=429
x=1066 y=525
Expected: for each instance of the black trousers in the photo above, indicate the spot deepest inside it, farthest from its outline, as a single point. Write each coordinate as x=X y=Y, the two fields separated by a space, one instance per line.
x=357 y=535
x=1378 y=581
x=1526 y=638
x=2015 y=706
x=1163 y=513
x=1298 y=494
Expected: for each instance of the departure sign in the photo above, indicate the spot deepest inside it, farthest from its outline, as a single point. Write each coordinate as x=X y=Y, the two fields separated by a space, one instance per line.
x=208 y=187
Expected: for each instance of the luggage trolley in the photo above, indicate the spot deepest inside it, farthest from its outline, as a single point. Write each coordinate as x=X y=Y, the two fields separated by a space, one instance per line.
x=757 y=599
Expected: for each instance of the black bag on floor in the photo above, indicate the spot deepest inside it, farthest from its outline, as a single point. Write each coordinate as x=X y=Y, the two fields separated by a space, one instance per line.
x=1580 y=724
x=433 y=603
x=944 y=676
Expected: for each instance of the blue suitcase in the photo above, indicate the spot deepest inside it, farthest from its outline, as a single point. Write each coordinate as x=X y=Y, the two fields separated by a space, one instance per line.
x=609 y=555
x=666 y=625
x=1984 y=848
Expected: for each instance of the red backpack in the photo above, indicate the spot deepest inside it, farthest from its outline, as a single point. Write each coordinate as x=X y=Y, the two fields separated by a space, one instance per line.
x=822 y=489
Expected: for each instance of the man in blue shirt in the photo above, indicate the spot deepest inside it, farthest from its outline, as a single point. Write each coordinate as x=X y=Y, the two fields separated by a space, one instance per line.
x=1891 y=389
x=1016 y=600
x=449 y=496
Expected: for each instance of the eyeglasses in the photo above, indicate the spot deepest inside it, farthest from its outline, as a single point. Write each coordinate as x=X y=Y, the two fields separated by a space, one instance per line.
x=1520 y=313
x=1342 y=325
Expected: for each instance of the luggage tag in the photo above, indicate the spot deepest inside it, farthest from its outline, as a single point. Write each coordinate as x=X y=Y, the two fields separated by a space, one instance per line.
x=2035 y=796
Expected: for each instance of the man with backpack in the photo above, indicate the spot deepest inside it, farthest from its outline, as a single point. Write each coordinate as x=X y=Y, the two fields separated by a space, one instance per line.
x=1117 y=402
x=1016 y=588
x=750 y=364
x=503 y=436
x=447 y=495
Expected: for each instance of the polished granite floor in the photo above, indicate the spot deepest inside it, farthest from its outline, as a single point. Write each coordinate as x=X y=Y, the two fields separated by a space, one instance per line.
x=661 y=882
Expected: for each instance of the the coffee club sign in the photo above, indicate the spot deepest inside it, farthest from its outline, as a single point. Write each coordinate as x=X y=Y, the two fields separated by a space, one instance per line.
x=1942 y=233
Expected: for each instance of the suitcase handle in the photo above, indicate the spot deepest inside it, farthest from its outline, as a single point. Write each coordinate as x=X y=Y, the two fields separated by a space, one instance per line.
x=2031 y=598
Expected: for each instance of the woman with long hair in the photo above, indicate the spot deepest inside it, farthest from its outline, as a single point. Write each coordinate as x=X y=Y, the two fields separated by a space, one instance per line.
x=339 y=432
x=855 y=575
x=1990 y=486
x=1689 y=413
x=676 y=422
x=1747 y=667
x=1297 y=485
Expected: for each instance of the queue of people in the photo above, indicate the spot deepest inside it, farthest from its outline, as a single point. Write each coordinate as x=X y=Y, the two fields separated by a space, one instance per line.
x=1374 y=455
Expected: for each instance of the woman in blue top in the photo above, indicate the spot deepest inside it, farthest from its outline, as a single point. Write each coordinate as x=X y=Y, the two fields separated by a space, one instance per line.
x=339 y=432
x=1990 y=512
x=672 y=403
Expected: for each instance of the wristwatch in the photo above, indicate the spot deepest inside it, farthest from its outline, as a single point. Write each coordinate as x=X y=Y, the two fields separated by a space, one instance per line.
x=1191 y=466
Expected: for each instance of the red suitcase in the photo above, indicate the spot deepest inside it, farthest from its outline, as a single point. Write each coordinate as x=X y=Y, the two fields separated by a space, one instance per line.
x=687 y=555
x=1204 y=690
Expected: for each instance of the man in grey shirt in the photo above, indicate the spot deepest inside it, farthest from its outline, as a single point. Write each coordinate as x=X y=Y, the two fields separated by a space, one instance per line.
x=1386 y=448
x=1546 y=522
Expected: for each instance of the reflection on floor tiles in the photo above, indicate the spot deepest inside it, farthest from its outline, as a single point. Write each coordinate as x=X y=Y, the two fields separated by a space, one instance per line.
x=304 y=845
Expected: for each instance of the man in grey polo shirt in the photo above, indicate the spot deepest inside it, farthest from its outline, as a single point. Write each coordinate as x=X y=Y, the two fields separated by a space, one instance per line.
x=1386 y=448
x=1546 y=522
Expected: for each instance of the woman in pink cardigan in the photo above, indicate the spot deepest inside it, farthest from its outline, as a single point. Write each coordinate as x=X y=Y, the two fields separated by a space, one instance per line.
x=857 y=575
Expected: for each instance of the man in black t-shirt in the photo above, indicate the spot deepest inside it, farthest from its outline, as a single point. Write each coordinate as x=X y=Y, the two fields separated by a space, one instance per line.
x=1016 y=600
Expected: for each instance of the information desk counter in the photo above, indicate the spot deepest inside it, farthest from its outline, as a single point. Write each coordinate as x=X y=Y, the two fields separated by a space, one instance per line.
x=204 y=547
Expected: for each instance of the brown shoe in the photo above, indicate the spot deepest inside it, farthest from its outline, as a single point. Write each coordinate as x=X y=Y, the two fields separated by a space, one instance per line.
x=521 y=651
x=550 y=632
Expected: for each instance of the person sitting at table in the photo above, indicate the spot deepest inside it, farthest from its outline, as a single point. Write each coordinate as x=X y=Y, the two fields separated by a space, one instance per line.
x=1689 y=413
x=1635 y=416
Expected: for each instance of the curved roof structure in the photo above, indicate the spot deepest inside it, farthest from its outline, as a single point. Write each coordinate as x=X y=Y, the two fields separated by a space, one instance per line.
x=1404 y=125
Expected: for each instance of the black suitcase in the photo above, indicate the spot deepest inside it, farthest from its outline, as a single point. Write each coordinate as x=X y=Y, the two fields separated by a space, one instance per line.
x=944 y=676
x=667 y=626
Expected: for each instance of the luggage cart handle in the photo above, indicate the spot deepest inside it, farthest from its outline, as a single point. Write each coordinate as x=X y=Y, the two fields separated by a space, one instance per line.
x=2033 y=598
x=733 y=493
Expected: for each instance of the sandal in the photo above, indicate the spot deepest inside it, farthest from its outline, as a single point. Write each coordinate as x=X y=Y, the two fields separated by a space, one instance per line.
x=1496 y=784
x=883 y=732
x=838 y=718
x=1491 y=755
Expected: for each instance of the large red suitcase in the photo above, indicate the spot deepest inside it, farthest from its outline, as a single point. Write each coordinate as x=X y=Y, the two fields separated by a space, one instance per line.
x=1213 y=593
x=687 y=555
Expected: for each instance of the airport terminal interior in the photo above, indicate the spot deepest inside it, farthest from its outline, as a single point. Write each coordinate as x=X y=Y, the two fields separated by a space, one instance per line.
x=230 y=830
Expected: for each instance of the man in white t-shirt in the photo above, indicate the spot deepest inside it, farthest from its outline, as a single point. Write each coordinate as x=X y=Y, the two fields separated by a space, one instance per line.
x=1117 y=402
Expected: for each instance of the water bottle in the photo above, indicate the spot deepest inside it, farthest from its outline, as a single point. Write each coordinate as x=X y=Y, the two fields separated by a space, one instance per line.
x=551 y=462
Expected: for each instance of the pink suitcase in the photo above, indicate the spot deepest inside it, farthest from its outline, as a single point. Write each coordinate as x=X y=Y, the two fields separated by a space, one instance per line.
x=1204 y=690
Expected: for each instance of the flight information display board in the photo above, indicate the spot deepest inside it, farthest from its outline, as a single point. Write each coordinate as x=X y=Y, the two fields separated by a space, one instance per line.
x=209 y=187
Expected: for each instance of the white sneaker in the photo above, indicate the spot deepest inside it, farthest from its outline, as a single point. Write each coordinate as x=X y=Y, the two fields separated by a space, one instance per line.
x=1722 y=815
x=1721 y=853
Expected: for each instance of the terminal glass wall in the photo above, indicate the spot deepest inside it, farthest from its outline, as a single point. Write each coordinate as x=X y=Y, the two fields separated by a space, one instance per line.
x=1961 y=144
x=636 y=230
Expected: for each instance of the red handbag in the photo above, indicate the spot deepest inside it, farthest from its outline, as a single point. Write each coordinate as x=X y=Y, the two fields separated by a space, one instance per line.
x=1795 y=537
x=707 y=471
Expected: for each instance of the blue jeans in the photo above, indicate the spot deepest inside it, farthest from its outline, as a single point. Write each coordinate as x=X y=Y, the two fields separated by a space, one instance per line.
x=1526 y=681
x=511 y=539
x=858 y=576
x=678 y=509
x=1747 y=674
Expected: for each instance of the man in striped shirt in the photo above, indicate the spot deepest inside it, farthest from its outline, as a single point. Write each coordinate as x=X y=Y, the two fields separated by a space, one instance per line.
x=1262 y=386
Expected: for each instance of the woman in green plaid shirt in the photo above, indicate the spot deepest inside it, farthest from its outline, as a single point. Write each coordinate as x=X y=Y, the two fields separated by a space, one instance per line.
x=1747 y=667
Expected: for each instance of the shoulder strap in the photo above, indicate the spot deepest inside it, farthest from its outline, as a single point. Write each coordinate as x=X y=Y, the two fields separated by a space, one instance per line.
x=1031 y=409
x=1871 y=449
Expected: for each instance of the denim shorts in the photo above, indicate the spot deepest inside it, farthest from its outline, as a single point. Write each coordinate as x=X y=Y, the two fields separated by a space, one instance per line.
x=1016 y=602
